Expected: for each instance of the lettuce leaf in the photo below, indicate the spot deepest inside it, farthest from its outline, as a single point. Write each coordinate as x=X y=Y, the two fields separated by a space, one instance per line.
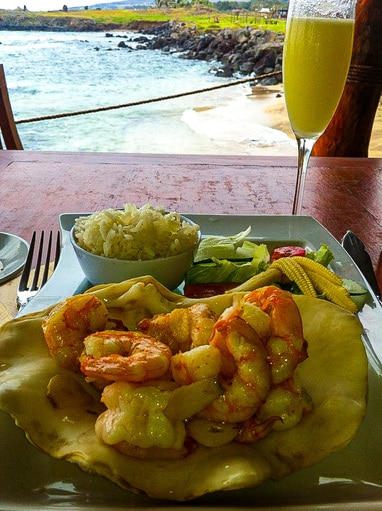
x=323 y=255
x=223 y=270
x=224 y=247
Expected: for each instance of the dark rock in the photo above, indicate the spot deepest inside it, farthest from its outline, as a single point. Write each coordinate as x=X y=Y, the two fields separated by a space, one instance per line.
x=245 y=51
x=141 y=39
x=246 y=68
x=122 y=44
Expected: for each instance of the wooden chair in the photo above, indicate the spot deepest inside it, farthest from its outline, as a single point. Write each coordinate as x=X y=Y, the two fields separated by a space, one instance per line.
x=8 y=127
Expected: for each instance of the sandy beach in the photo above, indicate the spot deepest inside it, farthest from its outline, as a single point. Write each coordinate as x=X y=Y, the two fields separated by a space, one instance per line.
x=275 y=111
x=251 y=121
x=242 y=120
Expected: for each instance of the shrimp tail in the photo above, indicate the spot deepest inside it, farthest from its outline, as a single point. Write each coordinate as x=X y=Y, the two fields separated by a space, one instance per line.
x=254 y=430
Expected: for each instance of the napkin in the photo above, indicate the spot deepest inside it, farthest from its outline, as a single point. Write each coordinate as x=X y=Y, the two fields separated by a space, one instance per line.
x=8 y=306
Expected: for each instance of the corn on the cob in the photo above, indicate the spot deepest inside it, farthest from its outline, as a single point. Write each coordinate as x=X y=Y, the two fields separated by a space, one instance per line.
x=296 y=273
x=333 y=292
x=312 y=278
x=312 y=266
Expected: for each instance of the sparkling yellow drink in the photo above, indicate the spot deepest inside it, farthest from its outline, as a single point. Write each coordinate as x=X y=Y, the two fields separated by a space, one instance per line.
x=316 y=60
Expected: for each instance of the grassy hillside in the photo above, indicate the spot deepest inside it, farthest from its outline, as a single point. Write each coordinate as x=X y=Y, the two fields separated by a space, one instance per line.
x=203 y=18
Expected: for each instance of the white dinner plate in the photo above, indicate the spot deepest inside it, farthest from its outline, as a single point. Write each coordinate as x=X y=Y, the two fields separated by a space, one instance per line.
x=13 y=253
x=349 y=478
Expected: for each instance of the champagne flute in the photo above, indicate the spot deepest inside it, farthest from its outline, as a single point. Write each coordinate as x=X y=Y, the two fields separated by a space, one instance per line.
x=316 y=58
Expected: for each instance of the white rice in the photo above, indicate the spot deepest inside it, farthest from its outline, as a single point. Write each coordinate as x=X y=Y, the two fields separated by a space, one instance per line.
x=135 y=233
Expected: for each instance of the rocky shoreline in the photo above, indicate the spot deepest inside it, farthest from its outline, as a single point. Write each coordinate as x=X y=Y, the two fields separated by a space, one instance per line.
x=245 y=51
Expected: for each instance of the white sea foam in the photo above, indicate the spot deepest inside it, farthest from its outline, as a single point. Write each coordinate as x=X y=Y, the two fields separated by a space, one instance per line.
x=50 y=73
x=241 y=122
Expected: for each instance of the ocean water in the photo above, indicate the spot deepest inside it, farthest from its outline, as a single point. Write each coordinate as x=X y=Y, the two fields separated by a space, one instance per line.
x=50 y=73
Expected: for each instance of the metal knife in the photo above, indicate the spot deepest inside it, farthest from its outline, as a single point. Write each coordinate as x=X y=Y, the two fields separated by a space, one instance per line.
x=370 y=316
x=356 y=249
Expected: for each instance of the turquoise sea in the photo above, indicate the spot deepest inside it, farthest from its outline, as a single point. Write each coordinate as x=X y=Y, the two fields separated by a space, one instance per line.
x=53 y=72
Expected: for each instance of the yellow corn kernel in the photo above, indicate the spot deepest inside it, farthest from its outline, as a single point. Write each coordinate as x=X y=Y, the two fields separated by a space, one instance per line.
x=336 y=294
x=296 y=273
x=312 y=266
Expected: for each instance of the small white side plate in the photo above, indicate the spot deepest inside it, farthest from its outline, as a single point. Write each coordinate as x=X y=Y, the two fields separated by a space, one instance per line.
x=13 y=253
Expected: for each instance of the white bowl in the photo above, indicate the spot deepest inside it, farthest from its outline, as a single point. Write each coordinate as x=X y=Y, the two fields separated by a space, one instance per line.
x=169 y=271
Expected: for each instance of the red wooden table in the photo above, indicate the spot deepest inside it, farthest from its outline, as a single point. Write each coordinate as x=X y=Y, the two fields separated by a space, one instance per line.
x=341 y=193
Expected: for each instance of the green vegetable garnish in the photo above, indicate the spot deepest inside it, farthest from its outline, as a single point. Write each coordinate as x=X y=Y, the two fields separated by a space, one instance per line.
x=323 y=255
x=358 y=292
x=224 y=247
x=229 y=259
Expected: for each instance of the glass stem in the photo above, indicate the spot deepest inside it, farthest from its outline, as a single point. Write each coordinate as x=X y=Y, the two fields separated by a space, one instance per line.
x=305 y=146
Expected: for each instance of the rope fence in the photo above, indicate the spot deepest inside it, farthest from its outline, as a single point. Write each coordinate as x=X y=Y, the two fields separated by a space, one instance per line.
x=146 y=101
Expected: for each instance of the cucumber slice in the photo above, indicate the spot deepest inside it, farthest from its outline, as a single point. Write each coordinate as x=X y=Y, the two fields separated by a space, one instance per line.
x=358 y=292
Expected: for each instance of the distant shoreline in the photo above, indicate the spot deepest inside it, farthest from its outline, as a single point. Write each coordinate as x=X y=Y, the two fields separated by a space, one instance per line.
x=274 y=110
x=18 y=20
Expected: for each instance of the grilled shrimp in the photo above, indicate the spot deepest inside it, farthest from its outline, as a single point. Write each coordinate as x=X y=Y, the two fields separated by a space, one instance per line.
x=236 y=354
x=286 y=346
x=245 y=373
x=135 y=423
x=114 y=355
x=181 y=329
x=250 y=353
x=68 y=323
x=260 y=341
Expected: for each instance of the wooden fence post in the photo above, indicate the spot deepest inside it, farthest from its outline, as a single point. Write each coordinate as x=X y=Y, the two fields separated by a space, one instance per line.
x=349 y=131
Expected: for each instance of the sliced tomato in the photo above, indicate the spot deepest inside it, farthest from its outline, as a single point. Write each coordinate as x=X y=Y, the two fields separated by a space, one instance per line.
x=289 y=251
x=206 y=290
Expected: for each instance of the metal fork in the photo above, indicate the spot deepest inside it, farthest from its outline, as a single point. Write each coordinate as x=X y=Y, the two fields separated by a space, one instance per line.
x=25 y=293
